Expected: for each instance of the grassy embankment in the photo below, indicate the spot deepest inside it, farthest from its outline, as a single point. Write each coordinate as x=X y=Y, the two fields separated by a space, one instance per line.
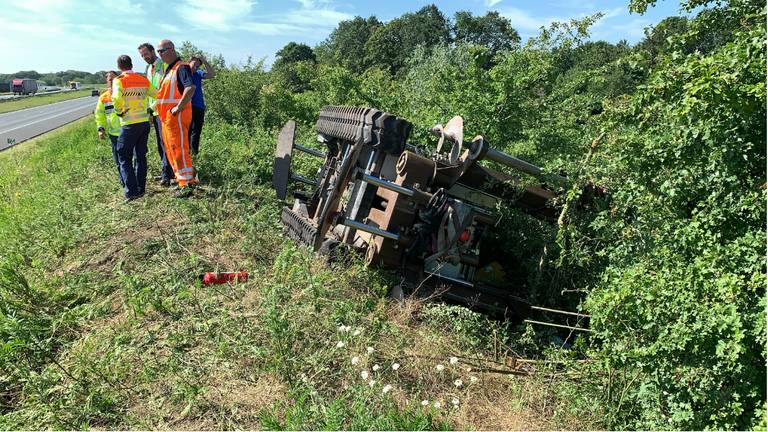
x=104 y=324
x=43 y=99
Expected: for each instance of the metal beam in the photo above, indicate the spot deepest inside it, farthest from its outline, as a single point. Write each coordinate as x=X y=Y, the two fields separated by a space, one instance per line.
x=369 y=229
x=557 y=325
x=309 y=151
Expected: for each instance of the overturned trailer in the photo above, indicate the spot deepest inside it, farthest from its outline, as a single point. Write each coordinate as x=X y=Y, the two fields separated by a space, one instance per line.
x=422 y=214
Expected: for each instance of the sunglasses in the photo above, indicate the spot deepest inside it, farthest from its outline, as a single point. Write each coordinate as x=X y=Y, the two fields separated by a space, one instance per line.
x=162 y=50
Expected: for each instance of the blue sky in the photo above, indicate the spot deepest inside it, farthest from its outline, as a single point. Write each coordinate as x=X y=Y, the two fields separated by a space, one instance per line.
x=54 y=35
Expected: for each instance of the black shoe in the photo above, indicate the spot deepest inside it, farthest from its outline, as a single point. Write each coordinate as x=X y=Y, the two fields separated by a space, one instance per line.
x=157 y=178
x=130 y=198
x=165 y=182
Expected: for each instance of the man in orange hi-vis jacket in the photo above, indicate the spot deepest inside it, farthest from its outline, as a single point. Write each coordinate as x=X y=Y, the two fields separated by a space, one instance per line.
x=173 y=107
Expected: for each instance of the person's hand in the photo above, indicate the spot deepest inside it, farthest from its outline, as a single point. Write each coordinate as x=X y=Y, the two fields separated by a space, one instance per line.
x=175 y=110
x=101 y=135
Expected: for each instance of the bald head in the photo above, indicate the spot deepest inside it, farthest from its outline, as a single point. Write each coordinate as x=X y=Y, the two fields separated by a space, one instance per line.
x=167 y=51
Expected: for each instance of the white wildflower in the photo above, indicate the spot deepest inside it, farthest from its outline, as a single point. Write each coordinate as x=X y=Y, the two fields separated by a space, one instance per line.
x=455 y=402
x=340 y=344
x=439 y=367
x=469 y=369
x=364 y=375
x=386 y=389
x=376 y=367
x=473 y=379
x=424 y=402
x=395 y=366
x=458 y=383
x=357 y=332
x=436 y=405
x=355 y=360
x=370 y=350
x=371 y=383
x=453 y=360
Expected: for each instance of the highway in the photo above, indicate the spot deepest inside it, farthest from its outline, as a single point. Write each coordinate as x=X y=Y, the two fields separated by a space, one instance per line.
x=19 y=126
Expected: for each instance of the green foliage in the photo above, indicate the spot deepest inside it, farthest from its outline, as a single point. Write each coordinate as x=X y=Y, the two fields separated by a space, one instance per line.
x=492 y=31
x=346 y=44
x=391 y=45
x=682 y=303
x=359 y=409
x=188 y=50
x=670 y=264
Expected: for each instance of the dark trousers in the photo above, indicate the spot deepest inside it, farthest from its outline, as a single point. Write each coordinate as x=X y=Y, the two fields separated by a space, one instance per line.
x=113 y=138
x=196 y=128
x=166 y=171
x=133 y=142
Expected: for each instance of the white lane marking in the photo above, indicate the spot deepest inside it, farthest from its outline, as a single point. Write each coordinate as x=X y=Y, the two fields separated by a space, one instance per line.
x=14 y=117
x=41 y=107
x=41 y=120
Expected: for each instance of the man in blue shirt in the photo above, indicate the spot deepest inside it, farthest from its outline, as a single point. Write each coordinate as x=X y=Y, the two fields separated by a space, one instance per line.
x=198 y=102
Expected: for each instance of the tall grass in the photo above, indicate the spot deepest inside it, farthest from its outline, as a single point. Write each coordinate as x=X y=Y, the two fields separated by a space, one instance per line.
x=104 y=323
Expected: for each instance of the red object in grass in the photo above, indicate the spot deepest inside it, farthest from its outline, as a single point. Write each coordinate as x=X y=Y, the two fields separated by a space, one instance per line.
x=220 y=278
x=464 y=237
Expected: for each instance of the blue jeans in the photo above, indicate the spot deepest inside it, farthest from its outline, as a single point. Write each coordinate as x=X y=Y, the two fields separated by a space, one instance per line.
x=133 y=142
x=166 y=171
x=113 y=138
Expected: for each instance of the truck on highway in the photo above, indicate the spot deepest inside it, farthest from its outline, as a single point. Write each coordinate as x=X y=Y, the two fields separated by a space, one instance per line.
x=74 y=85
x=23 y=86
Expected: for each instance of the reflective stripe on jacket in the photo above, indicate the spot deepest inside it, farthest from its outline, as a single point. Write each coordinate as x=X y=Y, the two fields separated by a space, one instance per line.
x=130 y=95
x=105 y=114
x=168 y=96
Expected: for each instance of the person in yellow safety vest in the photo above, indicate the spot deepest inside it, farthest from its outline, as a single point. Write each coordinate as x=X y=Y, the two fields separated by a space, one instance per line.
x=173 y=107
x=130 y=95
x=154 y=73
x=107 y=122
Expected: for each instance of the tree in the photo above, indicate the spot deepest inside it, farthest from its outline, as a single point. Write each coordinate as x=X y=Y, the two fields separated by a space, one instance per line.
x=290 y=61
x=492 y=31
x=658 y=39
x=294 y=52
x=391 y=45
x=187 y=50
x=346 y=44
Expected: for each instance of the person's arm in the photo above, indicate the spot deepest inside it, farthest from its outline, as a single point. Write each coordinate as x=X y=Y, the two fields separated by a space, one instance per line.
x=210 y=72
x=117 y=96
x=184 y=77
x=101 y=118
x=185 y=98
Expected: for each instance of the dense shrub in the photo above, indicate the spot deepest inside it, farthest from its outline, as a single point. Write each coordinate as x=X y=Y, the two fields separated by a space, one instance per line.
x=673 y=263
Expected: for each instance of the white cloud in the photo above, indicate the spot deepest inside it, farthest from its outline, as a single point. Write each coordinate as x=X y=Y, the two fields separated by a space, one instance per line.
x=269 y=29
x=217 y=15
x=633 y=30
x=529 y=24
x=312 y=16
x=317 y=17
x=523 y=20
x=170 y=28
x=123 y=9
x=491 y=3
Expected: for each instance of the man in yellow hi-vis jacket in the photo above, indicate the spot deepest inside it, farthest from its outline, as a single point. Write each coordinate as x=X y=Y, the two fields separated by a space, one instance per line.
x=130 y=94
x=107 y=121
